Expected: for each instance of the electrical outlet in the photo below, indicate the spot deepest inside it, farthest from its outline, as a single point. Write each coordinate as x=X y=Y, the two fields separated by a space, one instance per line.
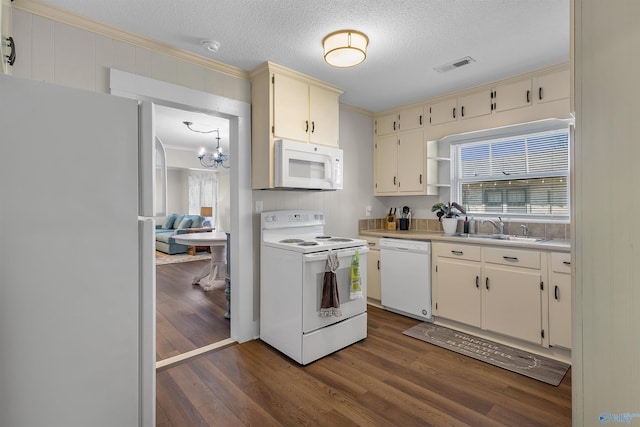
x=259 y=206
x=367 y=211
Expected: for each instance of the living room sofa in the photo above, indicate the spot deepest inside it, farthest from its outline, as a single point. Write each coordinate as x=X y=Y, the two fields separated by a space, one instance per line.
x=178 y=224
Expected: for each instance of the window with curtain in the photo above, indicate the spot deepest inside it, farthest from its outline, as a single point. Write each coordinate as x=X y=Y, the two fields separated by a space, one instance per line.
x=203 y=191
x=516 y=175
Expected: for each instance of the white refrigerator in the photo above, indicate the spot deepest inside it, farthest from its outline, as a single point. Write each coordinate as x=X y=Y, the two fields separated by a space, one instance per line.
x=77 y=274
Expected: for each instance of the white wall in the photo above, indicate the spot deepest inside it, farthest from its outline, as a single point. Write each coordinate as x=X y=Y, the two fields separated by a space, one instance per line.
x=606 y=368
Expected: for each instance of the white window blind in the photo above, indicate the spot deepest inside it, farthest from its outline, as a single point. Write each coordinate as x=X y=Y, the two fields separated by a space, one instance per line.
x=524 y=174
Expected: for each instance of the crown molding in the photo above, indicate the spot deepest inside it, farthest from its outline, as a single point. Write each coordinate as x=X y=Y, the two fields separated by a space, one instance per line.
x=60 y=15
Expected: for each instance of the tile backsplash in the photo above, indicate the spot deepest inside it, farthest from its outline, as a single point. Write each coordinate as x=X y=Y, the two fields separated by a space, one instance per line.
x=536 y=229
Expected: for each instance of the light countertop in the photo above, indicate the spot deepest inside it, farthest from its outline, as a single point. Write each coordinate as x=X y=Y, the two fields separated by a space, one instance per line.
x=558 y=245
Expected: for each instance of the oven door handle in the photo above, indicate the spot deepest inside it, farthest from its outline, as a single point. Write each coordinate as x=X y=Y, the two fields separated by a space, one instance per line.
x=320 y=256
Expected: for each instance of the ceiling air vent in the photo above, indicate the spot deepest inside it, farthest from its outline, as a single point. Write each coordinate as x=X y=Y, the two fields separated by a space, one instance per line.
x=454 y=64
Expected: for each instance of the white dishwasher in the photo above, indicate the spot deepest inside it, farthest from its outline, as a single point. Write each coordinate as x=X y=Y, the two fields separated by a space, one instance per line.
x=405 y=277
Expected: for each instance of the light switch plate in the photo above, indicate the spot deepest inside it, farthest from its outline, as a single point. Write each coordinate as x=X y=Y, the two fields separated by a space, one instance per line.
x=259 y=206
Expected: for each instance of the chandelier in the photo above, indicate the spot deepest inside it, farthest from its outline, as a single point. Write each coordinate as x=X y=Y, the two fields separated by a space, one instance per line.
x=211 y=160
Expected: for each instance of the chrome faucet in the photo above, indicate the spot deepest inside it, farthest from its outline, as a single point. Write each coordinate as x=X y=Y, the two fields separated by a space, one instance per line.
x=499 y=226
x=525 y=230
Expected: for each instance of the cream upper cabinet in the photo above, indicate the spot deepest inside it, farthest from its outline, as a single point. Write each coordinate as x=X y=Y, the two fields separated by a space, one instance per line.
x=411 y=118
x=512 y=95
x=400 y=165
x=386 y=165
x=387 y=124
x=7 y=51
x=290 y=108
x=443 y=111
x=560 y=306
x=304 y=112
x=288 y=105
x=324 y=116
x=475 y=105
x=552 y=86
x=411 y=162
x=403 y=120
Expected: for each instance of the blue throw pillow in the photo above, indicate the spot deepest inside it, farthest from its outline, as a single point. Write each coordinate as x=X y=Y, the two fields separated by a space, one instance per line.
x=168 y=223
x=196 y=221
x=185 y=223
x=179 y=218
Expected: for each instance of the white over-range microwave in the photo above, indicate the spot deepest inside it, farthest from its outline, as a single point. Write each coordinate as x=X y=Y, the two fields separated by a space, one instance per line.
x=298 y=165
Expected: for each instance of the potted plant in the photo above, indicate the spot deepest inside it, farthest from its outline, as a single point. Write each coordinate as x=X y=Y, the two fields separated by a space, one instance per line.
x=448 y=214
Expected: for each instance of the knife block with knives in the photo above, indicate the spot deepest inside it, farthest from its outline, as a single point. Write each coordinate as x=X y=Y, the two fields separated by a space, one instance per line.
x=391 y=222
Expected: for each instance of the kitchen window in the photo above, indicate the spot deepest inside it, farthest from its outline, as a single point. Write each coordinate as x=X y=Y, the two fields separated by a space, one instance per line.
x=516 y=175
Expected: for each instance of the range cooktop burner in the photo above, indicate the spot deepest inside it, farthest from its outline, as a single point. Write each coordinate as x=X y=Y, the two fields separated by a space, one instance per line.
x=308 y=244
x=323 y=237
x=291 y=241
x=339 y=239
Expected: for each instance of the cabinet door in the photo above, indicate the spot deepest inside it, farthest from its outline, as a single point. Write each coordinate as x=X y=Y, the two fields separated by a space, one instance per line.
x=5 y=31
x=324 y=113
x=560 y=310
x=411 y=161
x=512 y=302
x=387 y=124
x=386 y=158
x=475 y=105
x=411 y=118
x=553 y=86
x=290 y=109
x=458 y=291
x=373 y=275
x=512 y=95
x=443 y=112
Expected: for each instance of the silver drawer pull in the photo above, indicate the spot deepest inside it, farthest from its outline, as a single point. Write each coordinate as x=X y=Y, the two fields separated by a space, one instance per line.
x=511 y=258
x=457 y=252
x=372 y=244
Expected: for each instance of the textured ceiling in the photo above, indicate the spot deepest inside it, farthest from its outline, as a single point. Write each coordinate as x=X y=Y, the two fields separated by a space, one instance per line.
x=408 y=38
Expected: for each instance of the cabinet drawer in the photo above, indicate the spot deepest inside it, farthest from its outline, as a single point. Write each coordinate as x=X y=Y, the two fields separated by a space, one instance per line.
x=457 y=251
x=514 y=257
x=372 y=242
x=561 y=262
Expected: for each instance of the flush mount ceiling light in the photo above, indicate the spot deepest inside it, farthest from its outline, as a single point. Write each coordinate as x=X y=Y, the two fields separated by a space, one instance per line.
x=345 y=48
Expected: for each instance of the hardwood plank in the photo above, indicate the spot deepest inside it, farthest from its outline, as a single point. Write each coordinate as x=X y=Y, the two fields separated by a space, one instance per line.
x=186 y=317
x=388 y=379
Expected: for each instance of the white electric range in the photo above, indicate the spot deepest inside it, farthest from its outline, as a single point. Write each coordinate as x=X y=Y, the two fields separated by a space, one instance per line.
x=294 y=249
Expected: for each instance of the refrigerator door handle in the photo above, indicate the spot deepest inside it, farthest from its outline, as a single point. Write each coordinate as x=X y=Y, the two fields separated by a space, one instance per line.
x=147 y=286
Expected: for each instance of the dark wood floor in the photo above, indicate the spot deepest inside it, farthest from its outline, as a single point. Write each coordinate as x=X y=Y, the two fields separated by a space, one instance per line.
x=388 y=379
x=186 y=317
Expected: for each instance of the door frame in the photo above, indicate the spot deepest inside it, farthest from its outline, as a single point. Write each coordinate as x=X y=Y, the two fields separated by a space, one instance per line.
x=244 y=326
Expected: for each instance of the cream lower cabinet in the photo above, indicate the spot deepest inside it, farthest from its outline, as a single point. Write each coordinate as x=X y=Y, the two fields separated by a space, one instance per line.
x=373 y=269
x=512 y=303
x=457 y=274
x=459 y=291
x=495 y=289
x=560 y=306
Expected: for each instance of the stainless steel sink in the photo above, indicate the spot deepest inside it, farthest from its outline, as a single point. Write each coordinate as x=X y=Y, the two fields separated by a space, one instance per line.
x=511 y=237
